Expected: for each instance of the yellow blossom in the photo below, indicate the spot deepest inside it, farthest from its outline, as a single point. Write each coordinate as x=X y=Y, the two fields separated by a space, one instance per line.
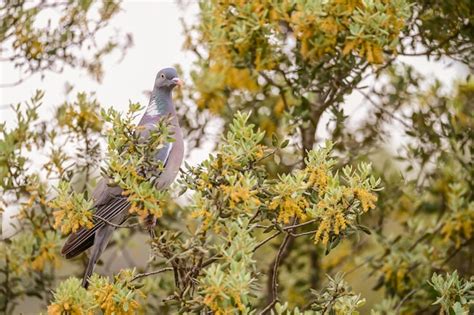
x=318 y=179
x=289 y=207
x=332 y=220
x=366 y=198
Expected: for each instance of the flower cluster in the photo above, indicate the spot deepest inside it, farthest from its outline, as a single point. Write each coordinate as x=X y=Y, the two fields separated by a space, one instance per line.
x=45 y=251
x=240 y=192
x=72 y=210
x=119 y=297
x=242 y=40
x=226 y=287
x=228 y=185
x=317 y=193
x=289 y=200
x=71 y=298
x=459 y=225
x=80 y=115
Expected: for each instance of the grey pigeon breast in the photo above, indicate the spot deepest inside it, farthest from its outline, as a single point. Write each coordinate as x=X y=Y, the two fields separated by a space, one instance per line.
x=148 y=124
x=171 y=154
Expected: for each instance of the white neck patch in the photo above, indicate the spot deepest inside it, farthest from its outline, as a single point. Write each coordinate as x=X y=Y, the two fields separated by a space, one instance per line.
x=152 y=109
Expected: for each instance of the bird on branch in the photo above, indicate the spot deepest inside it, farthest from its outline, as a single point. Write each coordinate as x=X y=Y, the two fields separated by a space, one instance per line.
x=110 y=205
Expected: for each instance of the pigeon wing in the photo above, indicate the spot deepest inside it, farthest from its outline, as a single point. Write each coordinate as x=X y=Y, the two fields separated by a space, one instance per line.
x=110 y=205
x=114 y=210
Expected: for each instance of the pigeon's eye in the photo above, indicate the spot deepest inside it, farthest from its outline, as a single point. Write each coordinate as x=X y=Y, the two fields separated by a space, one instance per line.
x=162 y=75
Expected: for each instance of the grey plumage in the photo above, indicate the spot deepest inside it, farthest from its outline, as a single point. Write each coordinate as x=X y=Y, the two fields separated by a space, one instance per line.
x=109 y=203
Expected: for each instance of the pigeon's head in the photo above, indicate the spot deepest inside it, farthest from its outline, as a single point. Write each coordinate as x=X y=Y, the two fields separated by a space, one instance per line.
x=167 y=78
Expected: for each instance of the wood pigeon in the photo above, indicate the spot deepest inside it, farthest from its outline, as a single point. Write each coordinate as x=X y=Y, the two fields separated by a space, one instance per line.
x=109 y=203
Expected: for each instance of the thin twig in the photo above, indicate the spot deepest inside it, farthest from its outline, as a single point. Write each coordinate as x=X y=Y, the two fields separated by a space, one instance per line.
x=448 y=258
x=363 y=263
x=266 y=240
x=254 y=216
x=290 y=227
x=274 y=278
x=286 y=228
x=268 y=307
x=210 y=261
x=115 y=225
x=15 y=83
x=399 y=306
x=155 y=272
x=303 y=233
x=381 y=108
x=425 y=236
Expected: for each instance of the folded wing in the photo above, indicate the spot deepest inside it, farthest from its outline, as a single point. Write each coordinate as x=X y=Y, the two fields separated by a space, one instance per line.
x=110 y=205
x=113 y=211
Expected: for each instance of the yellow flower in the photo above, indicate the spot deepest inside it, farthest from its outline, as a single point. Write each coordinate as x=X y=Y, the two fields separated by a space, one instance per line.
x=318 y=179
x=332 y=220
x=57 y=309
x=367 y=199
x=115 y=298
x=259 y=152
x=203 y=214
x=289 y=207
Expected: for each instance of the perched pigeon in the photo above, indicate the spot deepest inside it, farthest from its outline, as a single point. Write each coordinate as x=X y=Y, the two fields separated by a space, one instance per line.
x=109 y=203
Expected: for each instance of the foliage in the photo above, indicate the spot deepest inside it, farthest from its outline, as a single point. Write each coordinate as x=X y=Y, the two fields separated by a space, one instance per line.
x=73 y=211
x=230 y=284
x=283 y=199
x=235 y=201
x=119 y=297
x=336 y=298
x=455 y=294
x=33 y=45
x=294 y=68
x=72 y=298
x=34 y=155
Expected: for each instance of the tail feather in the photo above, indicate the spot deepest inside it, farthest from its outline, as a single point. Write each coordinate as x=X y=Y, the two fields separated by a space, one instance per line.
x=102 y=238
x=69 y=251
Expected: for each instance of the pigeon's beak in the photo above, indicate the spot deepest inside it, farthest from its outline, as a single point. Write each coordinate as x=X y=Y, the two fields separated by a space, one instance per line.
x=178 y=81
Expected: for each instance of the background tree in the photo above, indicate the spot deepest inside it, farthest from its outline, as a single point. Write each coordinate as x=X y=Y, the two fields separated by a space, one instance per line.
x=276 y=219
x=37 y=42
x=294 y=62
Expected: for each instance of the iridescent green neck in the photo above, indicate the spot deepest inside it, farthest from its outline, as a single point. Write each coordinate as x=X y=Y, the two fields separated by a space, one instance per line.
x=160 y=102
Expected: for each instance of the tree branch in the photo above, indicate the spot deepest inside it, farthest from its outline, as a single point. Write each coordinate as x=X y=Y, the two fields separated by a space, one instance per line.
x=290 y=227
x=266 y=240
x=155 y=272
x=282 y=251
x=115 y=225
x=304 y=233
x=274 y=278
